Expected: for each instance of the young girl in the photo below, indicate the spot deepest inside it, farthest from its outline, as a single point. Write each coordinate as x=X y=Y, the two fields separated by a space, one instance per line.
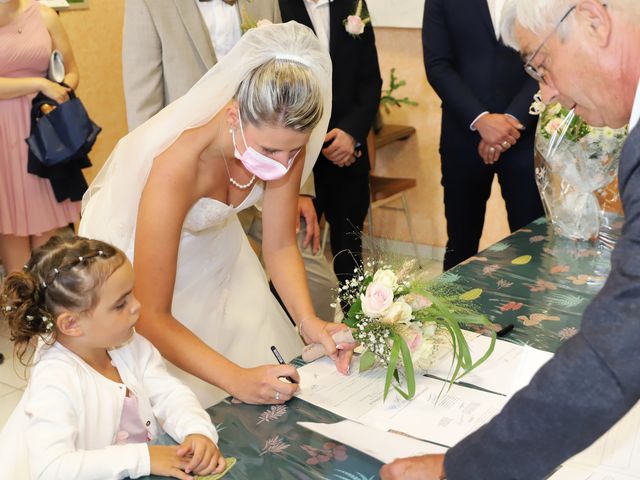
x=98 y=391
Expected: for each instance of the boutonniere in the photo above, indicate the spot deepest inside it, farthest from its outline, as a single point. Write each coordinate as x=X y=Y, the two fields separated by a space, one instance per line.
x=354 y=24
x=247 y=23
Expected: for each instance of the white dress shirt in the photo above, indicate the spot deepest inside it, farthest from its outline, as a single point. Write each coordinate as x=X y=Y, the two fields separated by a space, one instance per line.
x=495 y=9
x=318 y=11
x=223 y=23
x=635 y=112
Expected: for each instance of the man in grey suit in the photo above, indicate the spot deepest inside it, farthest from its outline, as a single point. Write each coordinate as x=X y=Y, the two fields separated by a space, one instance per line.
x=168 y=45
x=584 y=54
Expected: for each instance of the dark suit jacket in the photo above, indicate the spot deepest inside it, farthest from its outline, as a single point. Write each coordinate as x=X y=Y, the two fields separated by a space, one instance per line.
x=591 y=382
x=472 y=72
x=356 y=79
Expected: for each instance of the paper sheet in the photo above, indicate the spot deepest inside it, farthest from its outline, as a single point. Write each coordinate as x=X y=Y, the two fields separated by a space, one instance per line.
x=384 y=446
x=439 y=414
x=350 y=396
x=509 y=368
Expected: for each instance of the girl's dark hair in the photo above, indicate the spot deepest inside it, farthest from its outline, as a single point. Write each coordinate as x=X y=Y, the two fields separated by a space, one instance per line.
x=63 y=275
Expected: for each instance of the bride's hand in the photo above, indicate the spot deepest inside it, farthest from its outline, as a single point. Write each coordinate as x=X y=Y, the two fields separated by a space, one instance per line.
x=262 y=385
x=315 y=330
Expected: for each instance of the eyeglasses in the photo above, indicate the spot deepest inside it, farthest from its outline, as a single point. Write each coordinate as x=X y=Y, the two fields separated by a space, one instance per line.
x=533 y=72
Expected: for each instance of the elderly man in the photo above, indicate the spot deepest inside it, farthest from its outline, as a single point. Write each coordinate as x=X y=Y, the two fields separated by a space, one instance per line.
x=586 y=55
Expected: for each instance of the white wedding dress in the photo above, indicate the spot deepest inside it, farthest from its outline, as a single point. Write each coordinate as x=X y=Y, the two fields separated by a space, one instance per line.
x=221 y=291
x=222 y=294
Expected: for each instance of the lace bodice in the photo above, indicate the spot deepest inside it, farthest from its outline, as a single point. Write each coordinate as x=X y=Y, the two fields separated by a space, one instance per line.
x=208 y=212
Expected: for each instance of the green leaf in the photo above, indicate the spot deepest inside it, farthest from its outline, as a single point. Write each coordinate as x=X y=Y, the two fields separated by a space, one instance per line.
x=391 y=369
x=356 y=308
x=367 y=360
x=408 y=368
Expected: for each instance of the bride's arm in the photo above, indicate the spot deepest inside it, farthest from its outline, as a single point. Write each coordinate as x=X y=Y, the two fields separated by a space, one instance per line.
x=284 y=262
x=169 y=193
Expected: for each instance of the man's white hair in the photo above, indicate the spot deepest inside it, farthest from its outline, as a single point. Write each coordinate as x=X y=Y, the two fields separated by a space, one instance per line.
x=541 y=16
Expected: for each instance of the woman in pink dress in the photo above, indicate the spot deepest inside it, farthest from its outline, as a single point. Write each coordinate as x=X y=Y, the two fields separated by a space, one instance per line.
x=29 y=212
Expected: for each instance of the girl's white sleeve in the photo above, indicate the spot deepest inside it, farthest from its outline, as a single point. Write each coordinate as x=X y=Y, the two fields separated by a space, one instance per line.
x=175 y=406
x=54 y=399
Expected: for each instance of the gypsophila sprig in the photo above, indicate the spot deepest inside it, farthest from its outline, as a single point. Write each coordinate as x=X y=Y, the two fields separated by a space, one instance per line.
x=401 y=318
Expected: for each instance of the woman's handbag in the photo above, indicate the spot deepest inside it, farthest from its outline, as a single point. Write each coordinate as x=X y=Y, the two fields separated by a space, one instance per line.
x=62 y=134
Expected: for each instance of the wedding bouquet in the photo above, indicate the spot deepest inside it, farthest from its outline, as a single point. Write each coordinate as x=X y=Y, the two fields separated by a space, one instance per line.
x=576 y=170
x=400 y=318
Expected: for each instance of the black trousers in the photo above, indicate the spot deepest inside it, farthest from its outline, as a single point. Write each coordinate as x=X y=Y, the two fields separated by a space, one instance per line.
x=467 y=187
x=344 y=201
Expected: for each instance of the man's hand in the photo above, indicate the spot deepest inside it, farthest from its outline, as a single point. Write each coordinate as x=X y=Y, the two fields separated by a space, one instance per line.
x=307 y=211
x=499 y=130
x=426 y=467
x=489 y=153
x=341 y=152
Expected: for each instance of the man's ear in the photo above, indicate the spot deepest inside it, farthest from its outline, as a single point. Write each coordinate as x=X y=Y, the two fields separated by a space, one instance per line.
x=597 y=19
x=68 y=323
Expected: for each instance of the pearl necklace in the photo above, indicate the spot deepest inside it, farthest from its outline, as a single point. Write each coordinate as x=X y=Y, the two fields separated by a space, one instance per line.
x=233 y=181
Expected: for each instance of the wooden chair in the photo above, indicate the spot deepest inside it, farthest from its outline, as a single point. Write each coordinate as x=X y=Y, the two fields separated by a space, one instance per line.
x=384 y=191
x=389 y=190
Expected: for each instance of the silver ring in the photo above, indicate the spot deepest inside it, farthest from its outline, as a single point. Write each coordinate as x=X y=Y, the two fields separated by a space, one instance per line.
x=277 y=396
x=492 y=150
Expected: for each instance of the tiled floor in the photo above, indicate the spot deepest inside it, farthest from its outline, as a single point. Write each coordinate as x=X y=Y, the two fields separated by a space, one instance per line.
x=11 y=385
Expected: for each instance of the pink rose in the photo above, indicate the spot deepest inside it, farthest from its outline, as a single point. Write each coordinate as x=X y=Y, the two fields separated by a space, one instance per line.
x=354 y=25
x=376 y=299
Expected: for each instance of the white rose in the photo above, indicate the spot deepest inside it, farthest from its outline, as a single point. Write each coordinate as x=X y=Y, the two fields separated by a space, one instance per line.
x=423 y=355
x=417 y=302
x=386 y=277
x=555 y=109
x=553 y=126
x=398 y=312
x=421 y=346
x=263 y=22
x=354 y=25
x=376 y=299
x=429 y=329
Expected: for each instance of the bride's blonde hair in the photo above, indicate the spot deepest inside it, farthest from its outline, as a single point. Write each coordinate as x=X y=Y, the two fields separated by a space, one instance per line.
x=281 y=92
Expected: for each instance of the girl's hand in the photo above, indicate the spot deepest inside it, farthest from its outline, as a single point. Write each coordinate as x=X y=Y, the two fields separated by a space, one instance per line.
x=166 y=462
x=314 y=330
x=204 y=454
x=55 y=91
x=262 y=385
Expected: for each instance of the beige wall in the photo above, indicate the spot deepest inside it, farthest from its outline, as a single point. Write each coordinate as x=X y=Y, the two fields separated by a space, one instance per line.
x=96 y=38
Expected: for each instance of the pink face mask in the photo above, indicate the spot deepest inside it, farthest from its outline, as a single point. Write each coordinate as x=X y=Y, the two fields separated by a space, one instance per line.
x=263 y=167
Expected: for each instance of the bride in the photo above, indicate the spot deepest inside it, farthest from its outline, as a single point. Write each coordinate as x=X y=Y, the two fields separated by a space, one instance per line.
x=249 y=130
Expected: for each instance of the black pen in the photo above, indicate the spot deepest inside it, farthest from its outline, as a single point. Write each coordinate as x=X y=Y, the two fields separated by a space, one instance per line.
x=281 y=361
x=505 y=330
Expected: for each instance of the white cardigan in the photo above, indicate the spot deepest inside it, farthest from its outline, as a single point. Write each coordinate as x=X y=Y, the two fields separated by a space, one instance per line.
x=66 y=423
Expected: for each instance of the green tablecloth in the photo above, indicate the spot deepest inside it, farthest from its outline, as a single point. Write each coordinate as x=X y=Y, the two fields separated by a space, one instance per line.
x=539 y=282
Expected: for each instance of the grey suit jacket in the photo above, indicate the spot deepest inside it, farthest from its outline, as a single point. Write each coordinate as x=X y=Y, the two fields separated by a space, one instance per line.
x=166 y=48
x=591 y=382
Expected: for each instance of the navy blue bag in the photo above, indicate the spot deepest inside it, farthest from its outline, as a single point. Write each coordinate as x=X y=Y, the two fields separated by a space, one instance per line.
x=63 y=134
